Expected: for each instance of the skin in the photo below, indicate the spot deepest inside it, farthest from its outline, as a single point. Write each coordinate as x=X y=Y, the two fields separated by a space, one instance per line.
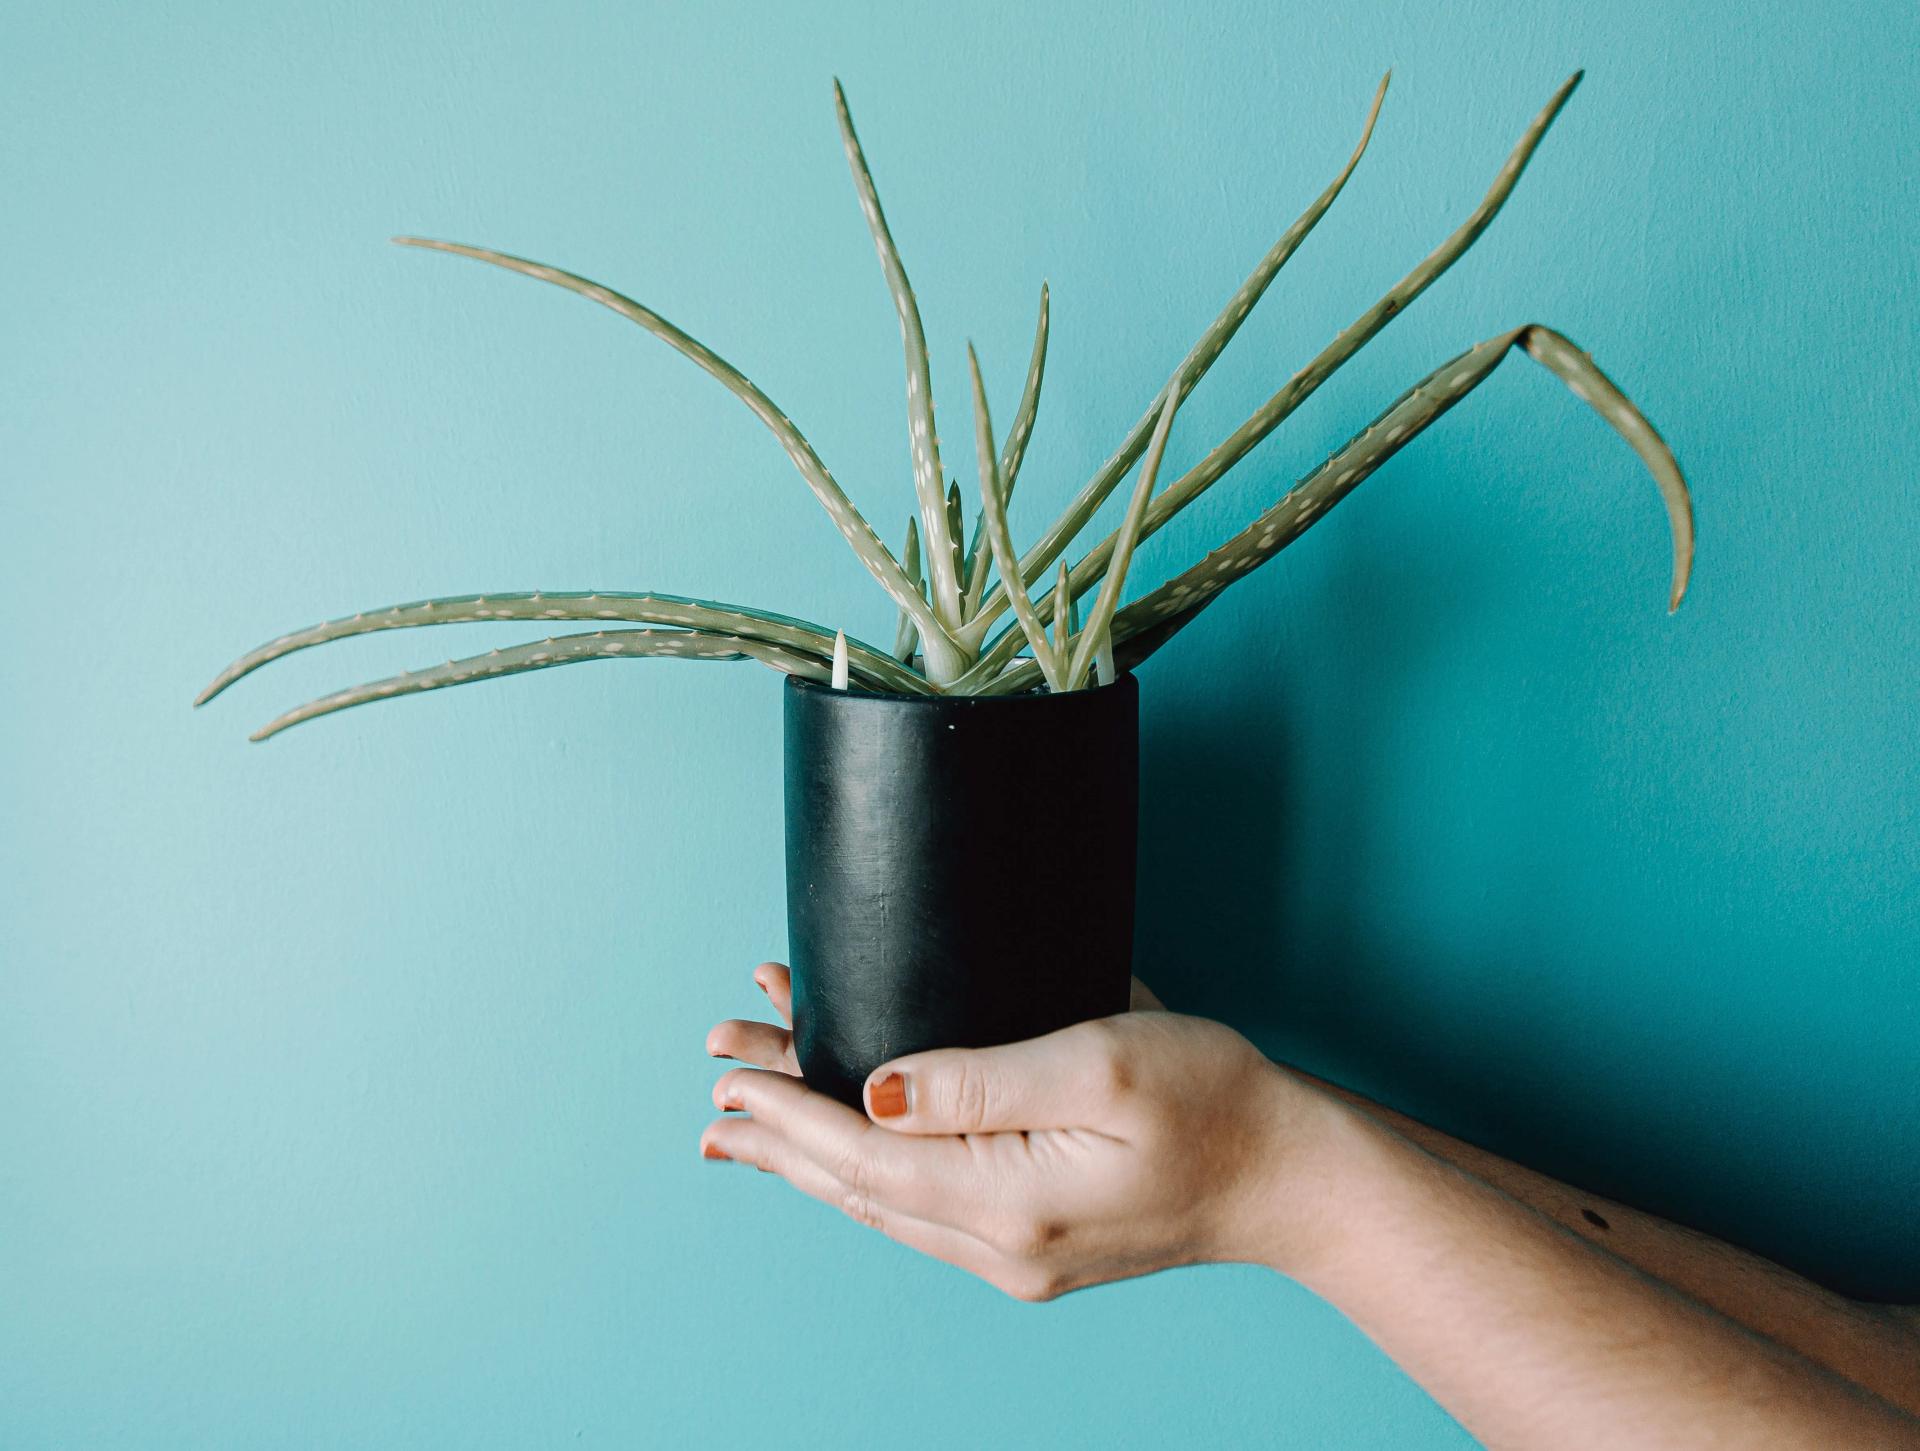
x=1537 y=1315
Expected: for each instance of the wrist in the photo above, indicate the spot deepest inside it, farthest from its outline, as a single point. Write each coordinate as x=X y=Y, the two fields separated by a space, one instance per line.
x=1315 y=1159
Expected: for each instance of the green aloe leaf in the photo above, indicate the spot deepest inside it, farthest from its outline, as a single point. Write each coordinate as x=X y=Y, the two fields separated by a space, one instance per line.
x=1170 y=607
x=905 y=637
x=942 y=655
x=840 y=676
x=1200 y=357
x=1100 y=618
x=998 y=536
x=544 y=655
x=924 y=437
x=1012 y=454
x=1064 y=625
x=650 y=609
x=1105 y=671
x=1301 y=386
x=1578 y=371
x=1013 y=451
x=956 y=529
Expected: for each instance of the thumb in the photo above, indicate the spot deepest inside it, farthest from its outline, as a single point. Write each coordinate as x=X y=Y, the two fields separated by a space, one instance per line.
x=1043 y=1083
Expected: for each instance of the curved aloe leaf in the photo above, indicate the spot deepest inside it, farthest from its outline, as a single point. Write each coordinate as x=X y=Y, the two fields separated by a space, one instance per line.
x=1185 y=489
x=924 y=436
x=1175 y=603
x=846 y=517
x=998 y=536
x=1012 y=454
x=1101 y=617
x=544 y=655
x=649 y=609
x=1186 y=377
x=1578 y=371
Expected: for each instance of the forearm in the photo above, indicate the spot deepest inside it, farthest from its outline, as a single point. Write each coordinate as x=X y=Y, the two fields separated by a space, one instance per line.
x=1875 y=1347
x=1533 y=1338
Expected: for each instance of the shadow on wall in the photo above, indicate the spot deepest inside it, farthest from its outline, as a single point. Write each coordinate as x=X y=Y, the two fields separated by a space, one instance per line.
x=1256 y=869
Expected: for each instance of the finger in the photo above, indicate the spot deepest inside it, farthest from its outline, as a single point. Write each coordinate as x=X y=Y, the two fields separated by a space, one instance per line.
x=1143 y=1000
x=748 y=1141
x=1063 y=1080
x=776 y=982
x=760 y=1044
x=938 y=1180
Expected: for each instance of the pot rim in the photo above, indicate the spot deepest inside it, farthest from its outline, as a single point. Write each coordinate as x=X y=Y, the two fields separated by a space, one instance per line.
x=856 y=692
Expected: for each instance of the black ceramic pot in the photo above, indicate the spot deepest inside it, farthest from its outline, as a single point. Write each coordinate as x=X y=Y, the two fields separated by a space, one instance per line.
x=959 y=870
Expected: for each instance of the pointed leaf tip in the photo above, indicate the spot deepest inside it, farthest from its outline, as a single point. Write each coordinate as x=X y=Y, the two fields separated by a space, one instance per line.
x=840 y=660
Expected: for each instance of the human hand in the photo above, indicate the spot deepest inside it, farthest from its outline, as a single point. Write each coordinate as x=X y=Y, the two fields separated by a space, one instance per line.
x=1109 y=1149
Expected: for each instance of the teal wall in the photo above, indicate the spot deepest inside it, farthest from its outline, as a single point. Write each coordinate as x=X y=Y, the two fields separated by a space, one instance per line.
x=349 y=1085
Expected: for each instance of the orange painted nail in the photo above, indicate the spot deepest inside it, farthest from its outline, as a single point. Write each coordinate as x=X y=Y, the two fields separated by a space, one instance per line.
x=888 y=1097
x=713 y=1151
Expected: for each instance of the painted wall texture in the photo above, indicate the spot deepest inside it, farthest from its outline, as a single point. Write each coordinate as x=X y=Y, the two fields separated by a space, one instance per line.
x=349 y=1085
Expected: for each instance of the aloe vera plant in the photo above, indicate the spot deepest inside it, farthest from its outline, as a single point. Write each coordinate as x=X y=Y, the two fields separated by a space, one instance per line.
x=943 y=586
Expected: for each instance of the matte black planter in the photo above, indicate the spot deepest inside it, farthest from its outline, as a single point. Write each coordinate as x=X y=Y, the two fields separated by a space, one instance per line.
x=959 y=870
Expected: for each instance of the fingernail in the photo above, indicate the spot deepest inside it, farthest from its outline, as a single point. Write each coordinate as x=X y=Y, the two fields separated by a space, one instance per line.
x=888 y=1097
x=713 y=1151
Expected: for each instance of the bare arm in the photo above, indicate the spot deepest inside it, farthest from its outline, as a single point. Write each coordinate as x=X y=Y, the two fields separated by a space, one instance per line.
x=1875 y=1346
x=1152 y=1140
x=1533 y=1338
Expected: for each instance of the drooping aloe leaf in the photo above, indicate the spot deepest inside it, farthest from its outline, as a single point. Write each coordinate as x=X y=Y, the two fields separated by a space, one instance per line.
x=924 y=437
x=649 y=609
x=905 y=637
x=1100 y=619
x=1187 y=376
x=1012 y=454
x=1168 y=608
x=1185 y=489
x=999 y=539
x=942 y=655
x=544 y=655
x=1577 y=370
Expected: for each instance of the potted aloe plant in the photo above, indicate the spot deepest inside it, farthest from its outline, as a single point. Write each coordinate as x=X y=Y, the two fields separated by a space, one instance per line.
x=923 y=909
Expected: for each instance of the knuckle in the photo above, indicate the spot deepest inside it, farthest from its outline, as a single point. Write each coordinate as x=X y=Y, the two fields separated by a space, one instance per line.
x=1033 y=1286
x=1112 y=1074
x=854 y=1170
x=1027 y=1238
x=968 y=1094
x=860 y=1208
